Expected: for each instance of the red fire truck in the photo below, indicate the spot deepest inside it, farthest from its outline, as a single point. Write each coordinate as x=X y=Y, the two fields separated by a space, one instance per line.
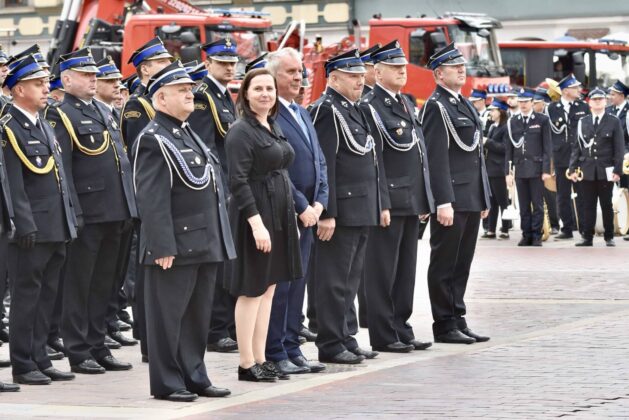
x=118 y=27
x=598 y=63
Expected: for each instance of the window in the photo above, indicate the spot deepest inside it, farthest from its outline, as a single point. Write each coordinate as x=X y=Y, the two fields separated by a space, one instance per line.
x=179 y=46
x=514 y=63
x=14 y=3
x=421 y=45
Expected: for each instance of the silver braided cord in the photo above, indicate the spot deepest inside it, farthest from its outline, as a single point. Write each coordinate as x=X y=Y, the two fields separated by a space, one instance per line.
x=451 y=132
x=351 y=142
x=582 y=143
x=516 y=144
x=400 y=147
x=188 y=177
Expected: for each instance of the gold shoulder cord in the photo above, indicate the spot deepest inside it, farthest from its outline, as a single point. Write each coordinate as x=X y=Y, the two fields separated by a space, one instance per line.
x=75 y=141
x=148 y=108
x=50 y=164
x=217 y=120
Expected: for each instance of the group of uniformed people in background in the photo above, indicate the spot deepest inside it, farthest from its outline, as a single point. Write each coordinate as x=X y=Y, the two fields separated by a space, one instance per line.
x=580 y=144
x=211 y=219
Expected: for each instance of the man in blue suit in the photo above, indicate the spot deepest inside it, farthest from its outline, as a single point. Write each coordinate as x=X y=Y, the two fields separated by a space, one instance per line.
x=308 y=174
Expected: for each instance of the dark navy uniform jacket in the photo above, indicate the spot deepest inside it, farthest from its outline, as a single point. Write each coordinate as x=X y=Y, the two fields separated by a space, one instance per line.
x=533 y=158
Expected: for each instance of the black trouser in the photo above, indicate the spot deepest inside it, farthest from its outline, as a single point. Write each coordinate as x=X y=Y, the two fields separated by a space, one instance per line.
x=178 y=309
x=222 y=324
x=390 y=263
x=339 y=269
x=4 y=275
x=499 y=202
x=311 y=310
x=89 y=280
x=55 y=318
x=139 y=310
x=452 y=251
x=564 y=201
x=593 y=192
x=118 y=298
x=550 y=198
x=34 y=279
x=530 y=196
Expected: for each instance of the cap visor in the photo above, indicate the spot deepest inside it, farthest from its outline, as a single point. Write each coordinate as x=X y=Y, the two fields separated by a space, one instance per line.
x=225 y=58
x=395 y=61
x=183 y=81
x=455 y=61
x=353 y=69
x=160 y=56
x=86 y=69
x=37 y=75
x=524 y=99
x=112 y=76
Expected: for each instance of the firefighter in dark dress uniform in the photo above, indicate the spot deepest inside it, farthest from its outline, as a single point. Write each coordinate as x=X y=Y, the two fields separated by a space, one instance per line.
x=528 y=148
x=214 y=112
x=356 y=203
x=564 y=116
x=185 y=235
x=599 y=155
x=44 y=220
x=96 y=162
x=391 y=257
x=460 y=186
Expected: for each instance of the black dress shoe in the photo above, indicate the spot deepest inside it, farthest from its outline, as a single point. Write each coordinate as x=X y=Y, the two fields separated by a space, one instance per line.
x=54 y=354
x=584 y=242
x=315 y=367
x=307 y=334
x=4 y=387
x=111 y=344
x=120 y=338
x=57 y=375
x=5 y=363
x=224 y=345
x=478 y=338
x=255 y=374
x=178 y=396
x=536 y=242
x=271 y=369
x=57 y=345
x=610 y=242
x=420 y=345
x=111 y=363
x=397 y=347
x=123 y=326
x=145 y=358
x=346 y=357
x=367 y=354
x=124 y=317
x=626 y=237
x=525 y=242
x=4 y=335
x=34 y=377
x=454 y=337
x=289 y=368
x=554 y=231
x=563 y=236
x=214 y=392
x=503 y=235
x=87 y=366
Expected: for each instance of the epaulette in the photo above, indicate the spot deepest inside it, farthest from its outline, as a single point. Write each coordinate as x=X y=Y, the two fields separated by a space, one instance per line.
x=4 y=120
x=201 y=88
x=435 y=96
x=368 y=97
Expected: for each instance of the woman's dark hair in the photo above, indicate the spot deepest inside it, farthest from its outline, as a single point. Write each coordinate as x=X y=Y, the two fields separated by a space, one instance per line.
x=242 y=103
x=503 y=117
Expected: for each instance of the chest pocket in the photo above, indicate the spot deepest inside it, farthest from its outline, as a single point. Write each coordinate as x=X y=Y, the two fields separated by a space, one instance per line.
x=37 y=153
x=462 y=122
x=192 y=158
x=397 y=130
x=90 y=134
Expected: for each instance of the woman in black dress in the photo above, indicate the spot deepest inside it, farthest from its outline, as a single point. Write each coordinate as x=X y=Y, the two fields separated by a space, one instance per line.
x=263 y=219
x=496 y=164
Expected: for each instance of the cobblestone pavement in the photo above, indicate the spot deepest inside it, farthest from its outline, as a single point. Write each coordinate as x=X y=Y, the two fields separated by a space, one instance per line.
x=558 y=318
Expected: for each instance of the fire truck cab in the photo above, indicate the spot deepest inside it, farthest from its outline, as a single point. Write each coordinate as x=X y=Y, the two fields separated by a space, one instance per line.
x=597 y=63
x=473 y=34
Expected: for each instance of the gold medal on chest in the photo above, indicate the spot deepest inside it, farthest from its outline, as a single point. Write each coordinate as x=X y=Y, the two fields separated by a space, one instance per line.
x=399 y=131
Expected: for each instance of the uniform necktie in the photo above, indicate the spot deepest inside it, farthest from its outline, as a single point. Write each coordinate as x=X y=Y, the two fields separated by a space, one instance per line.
x=228 y=98
x=596 y=123
x=300 y=120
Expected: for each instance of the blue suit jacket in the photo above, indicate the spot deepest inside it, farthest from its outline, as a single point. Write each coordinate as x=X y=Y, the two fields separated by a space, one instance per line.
x=308 y=173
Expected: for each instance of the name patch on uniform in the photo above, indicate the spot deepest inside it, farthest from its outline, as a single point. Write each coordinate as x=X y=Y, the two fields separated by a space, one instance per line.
x=200 y=106
x=34 y=142
x=535 y=126
x=86 y=122
x=132 y=114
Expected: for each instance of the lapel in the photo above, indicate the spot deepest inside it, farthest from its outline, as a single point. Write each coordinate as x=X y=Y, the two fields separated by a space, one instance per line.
x=26 y=124
x=85 y=110
x=215 y=91
x=347 y=107
x=288 y=116
x=176 y=132
x=393 y=105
